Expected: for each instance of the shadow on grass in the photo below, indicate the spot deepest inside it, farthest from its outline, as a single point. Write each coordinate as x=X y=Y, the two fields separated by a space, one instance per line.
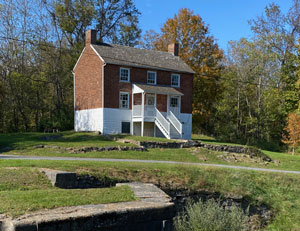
x=13 y=141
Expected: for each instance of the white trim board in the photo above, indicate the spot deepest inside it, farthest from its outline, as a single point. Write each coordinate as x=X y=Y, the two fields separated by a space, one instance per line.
x=97 y=53
x=78 y=59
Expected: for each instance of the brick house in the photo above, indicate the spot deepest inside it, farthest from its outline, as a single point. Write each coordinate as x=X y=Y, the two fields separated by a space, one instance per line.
x=120 y=89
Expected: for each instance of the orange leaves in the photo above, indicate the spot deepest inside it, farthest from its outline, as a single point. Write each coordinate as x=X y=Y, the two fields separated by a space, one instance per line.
x=293 y=131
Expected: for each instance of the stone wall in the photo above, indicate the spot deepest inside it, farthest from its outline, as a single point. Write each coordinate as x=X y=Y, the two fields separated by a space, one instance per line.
x=251 y=151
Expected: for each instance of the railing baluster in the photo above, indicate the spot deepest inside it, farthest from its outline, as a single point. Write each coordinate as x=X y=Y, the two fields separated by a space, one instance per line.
x=177 y=124
x=163 y=122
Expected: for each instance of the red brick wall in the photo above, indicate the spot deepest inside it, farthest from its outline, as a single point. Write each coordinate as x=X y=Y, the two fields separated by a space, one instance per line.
x=186 y=87
x=112 y=86
x=88 y=81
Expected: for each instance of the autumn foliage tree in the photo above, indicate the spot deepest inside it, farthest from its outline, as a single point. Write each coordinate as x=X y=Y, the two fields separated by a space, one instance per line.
x=200 y=51
x=293 y=131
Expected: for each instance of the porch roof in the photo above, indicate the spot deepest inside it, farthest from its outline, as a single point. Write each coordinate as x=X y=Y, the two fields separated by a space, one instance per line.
x=156 y=89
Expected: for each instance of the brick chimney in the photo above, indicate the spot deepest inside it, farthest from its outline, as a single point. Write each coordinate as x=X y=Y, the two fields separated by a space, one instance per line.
x=173 y=48
x=90 y=37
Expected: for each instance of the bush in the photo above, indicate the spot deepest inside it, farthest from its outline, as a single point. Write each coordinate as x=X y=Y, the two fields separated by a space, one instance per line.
x=211 y=216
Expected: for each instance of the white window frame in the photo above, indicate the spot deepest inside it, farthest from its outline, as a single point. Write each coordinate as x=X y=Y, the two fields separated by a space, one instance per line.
x=122 y=80
x=173 y=85
x=128 y=101
x=152 y=72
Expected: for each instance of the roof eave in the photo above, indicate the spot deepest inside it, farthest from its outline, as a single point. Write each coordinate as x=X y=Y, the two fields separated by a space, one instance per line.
x=149 y=67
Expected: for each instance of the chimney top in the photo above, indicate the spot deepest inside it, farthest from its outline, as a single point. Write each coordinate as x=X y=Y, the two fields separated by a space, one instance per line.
x=90 y=37
x=173 y=48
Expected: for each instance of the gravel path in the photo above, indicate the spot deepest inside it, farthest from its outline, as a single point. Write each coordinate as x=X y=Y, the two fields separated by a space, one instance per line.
x=13 y=157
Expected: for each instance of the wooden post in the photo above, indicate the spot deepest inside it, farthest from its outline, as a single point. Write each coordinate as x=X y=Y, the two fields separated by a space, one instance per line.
x=143 y=112
x=168 y=105
x=155 y=103
x=131 y=124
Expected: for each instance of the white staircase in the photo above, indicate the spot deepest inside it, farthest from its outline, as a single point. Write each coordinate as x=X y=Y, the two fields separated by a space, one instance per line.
x=171 y=127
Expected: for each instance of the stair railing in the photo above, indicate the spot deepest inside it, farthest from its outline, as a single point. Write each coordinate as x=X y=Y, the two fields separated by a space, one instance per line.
x=175 y=122
x=165 y=124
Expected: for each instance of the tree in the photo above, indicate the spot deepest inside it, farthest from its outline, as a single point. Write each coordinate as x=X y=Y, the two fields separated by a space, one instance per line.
x=129 y=32
x=149 y=39
x=73 y=18
x=39 y=46
x=280 y=32
x=293 y=131
x=115 y=20
x=248 y=91
x=259 y=81
x=200 y=51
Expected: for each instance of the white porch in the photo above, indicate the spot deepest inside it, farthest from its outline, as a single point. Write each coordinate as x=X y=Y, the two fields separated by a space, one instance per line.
x=157 y=107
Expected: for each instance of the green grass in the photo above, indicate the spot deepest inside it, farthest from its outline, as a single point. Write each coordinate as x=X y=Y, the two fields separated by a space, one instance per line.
x=287 y=161
x=210 y=140
x=16 y=203
x=22 y=179
x=68 y=139
x=146 y=138
x=25 y=189
x=153 y=154
x=279 y=191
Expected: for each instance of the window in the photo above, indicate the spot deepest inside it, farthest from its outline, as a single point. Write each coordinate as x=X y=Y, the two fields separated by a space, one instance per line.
x=125 y=127
x=175 y=80
x=124 y=74
x=174 y=102
x=124 y=100
x=151 y=77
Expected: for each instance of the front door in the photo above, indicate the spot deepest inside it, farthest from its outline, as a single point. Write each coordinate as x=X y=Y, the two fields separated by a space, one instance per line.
x=175 y=105
x=150 y=101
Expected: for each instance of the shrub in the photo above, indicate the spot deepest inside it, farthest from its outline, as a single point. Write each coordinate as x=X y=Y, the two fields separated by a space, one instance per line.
x=211 y=216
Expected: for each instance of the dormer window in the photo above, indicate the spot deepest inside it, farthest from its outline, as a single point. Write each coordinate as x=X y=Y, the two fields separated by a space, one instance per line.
x=151 y=77
x=175 y=80
x=124 y=75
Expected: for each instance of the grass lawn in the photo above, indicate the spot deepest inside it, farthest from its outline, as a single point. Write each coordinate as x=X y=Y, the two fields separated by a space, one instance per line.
x=146 y=138
x=287 y=162
x=19 y=194
x=279 y=191
x=210 y=140
x=26 y=189
x=67 y=139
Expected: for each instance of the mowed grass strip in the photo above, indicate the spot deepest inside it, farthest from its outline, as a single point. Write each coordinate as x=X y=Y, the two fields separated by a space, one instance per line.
x=22 y=179
x=25 y=189
x=15 y=203
x=64 y=139
x=196 y=155
x=24 y=145
x=152 y=154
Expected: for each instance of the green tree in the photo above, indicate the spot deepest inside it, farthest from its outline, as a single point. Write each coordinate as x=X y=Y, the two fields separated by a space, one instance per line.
x=248 y=109
x=73 y=18
x=280 y=32
x=260 y=79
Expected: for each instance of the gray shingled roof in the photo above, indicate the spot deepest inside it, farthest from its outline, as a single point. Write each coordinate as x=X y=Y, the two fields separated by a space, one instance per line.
x=158 y=89
x=135 y=57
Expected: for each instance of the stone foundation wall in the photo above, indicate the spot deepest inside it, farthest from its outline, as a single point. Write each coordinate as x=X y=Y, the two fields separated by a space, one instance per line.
x=251 y=151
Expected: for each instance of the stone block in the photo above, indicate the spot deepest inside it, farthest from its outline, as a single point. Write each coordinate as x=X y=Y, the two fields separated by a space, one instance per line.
x=61 y=179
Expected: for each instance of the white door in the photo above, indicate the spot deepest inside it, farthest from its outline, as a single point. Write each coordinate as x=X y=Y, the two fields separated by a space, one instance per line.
x=175 y=105
x=150 y=100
